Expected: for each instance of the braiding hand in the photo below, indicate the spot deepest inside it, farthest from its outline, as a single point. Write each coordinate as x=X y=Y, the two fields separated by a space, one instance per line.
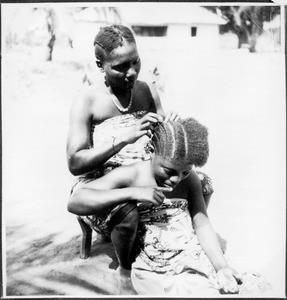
x=144 y=126
x=150 y=195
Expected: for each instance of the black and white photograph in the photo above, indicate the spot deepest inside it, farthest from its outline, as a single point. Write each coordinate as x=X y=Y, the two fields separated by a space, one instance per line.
x=143 y=149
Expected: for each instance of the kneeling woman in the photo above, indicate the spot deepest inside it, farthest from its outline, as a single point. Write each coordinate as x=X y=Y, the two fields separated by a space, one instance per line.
x=180 y=253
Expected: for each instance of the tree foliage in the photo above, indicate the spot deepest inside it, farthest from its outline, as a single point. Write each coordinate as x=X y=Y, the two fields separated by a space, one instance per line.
x=245 y=21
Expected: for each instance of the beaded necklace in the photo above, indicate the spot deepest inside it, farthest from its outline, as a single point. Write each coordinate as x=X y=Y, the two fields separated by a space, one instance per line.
x=117 y=103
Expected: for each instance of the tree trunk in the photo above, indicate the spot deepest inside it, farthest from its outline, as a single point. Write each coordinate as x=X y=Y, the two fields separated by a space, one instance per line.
x=51 y=20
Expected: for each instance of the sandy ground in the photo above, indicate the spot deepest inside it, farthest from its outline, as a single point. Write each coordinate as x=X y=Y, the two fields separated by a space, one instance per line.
x=239 y=96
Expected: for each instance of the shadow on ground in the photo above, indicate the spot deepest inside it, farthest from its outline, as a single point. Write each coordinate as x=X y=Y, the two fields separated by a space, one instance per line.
x=45 y=267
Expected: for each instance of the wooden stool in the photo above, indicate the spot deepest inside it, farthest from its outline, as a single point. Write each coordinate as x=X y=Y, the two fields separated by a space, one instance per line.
x=122 y=211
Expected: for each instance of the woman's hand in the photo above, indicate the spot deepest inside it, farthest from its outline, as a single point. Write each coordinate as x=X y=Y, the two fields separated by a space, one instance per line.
x=144 y=126
x=150 y=195
x=227 y=280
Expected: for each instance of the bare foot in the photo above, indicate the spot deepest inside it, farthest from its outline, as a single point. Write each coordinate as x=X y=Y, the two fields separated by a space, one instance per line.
x=123 y=281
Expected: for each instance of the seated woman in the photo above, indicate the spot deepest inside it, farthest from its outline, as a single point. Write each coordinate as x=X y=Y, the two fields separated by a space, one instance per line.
x=172 y=214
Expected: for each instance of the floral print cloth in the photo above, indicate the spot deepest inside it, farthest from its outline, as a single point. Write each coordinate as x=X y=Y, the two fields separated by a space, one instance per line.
x=171 y=263
x=105 y=132
x=110 y=129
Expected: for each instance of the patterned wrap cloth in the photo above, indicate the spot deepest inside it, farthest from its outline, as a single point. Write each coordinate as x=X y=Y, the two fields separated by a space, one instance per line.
x=138 y=151
x=171 y=263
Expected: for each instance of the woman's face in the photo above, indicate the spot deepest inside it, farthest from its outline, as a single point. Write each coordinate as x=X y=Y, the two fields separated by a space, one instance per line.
x=167 y=172
x=122 y=66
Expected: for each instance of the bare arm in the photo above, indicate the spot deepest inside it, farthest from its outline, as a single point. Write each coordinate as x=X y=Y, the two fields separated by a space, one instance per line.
x=202 y=226
x=99 y=195
x=112 y=189
x=81 y=158
x=208 y=238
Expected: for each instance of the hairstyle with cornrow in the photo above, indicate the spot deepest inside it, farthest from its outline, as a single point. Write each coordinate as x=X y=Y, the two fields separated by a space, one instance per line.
x=110 y=38
x=185 y=140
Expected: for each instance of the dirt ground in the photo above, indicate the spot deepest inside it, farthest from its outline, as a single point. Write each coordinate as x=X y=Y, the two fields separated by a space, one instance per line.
x=239 y=96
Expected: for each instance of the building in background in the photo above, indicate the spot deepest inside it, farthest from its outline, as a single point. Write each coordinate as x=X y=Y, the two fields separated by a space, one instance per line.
x=176 y=24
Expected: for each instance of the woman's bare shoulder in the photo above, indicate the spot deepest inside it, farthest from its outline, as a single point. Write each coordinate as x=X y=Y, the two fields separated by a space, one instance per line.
x=134 y=170
x=135 y=173
x=85 y=96
x=94 y=92
x=91 y=99
x=192 y=182
x=124 y=175
x=143 y=86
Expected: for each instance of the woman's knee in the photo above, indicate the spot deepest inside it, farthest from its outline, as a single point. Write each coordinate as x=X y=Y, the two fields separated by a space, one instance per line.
x=132 y=216
x=126 y=218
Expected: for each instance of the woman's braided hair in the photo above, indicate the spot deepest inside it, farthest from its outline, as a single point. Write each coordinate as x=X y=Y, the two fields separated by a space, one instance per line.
x=185 y=140
x=110 y=38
